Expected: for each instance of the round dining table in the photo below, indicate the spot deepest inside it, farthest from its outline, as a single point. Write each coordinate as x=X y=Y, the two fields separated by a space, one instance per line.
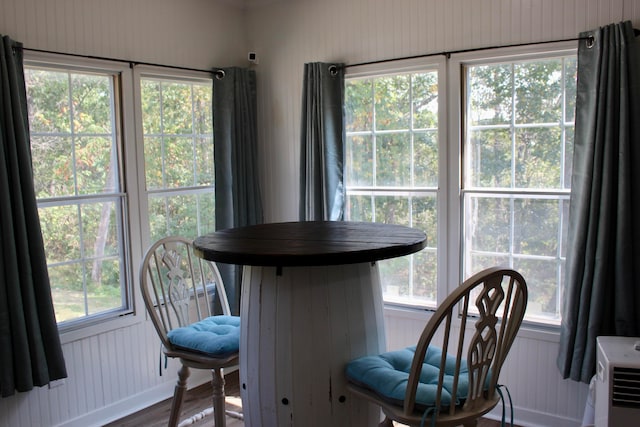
x=311 y=301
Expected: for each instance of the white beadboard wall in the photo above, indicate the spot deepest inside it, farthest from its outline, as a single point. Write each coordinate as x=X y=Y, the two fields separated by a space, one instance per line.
x=189 y=33
x=286 y=34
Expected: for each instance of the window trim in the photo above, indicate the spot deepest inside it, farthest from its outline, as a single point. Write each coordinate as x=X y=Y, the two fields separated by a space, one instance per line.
x=128 y=128
x=436 y=63
x=451 y=132
x=161 y=73
x=457 y=64
x=123 y=126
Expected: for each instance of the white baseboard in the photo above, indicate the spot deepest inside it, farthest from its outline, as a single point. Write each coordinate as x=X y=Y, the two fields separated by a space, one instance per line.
x=528 y=418
x=133 y=404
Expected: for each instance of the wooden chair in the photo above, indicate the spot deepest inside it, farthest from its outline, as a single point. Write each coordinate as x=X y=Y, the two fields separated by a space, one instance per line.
x=434 y=383
x=179 y=292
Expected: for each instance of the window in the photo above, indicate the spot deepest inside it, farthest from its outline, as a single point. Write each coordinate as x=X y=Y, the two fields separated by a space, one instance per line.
x=518 y=145
x=495 y=192
x=392 y=169
x=75 y=143
x=177 y=128
x=92 y=161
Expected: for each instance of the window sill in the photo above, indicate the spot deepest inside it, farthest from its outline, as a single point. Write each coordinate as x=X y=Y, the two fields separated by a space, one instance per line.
x=99 y=326
x=533 y=331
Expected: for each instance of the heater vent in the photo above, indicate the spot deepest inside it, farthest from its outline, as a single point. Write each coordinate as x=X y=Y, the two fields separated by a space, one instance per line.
x=626 y=387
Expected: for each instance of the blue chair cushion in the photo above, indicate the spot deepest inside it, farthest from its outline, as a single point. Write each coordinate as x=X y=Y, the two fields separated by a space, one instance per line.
x=387 y=375
x=216 y=336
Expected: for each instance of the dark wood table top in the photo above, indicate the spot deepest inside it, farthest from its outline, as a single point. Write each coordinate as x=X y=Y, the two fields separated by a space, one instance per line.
x=310 y=243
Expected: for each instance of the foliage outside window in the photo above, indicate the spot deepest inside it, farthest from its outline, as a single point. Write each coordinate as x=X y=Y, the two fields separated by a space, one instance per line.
x=75 y=154
x=518 y=149
x=392 y=170
x=178 y=151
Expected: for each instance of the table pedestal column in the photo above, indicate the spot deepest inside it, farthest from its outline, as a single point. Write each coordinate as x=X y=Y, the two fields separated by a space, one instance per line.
x=300 y=326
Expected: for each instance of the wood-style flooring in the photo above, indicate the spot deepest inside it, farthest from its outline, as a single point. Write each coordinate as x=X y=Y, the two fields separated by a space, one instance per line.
x=198 y=399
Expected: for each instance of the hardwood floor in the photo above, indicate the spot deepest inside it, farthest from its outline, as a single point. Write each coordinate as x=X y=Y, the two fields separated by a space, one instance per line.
x=195 y=400
x=198 y=399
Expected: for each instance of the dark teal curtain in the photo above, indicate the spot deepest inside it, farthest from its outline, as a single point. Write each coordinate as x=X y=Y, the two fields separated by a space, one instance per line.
x=602 y=282
x=322 y=192
x=238 y=200
x=30 y=350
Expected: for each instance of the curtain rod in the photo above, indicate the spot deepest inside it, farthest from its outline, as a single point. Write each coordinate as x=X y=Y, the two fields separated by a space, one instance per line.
x=218 y=73
x=477 y=49
x=590 y=40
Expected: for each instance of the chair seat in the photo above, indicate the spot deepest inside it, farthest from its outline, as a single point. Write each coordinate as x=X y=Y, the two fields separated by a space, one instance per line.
x=215 y=336
x=387 y=375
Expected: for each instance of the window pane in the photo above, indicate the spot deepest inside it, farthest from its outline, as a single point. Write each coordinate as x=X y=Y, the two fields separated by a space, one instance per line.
x=392 y=102
x=425 y=159
x=68 y=291
x=55 y=176
x=393 y=160
x=392 y=210
x=154 y=162
x=570 y=80
x=544 y=279
x=359 y=107
x=91 y=104
x=202 y=109
x=100 y=231
x=538 y=157
x=359 y=167
x=568 y=155
x=359 y=208
x=150 y=94
x=61 y=232
x=185 y=215
x=95 y=168
x=176 y=108
x=538 y=91
x=204 y=161
x=48 y=101
x=425 y=100
x=424 y=217
x=425 y=267
x=488 y=224
x=490 y=94
x=490 y=158
x=536 y=226
x=179 y=161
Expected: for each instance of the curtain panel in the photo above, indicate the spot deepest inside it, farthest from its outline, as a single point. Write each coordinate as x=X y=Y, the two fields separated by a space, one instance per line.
x=238 y=200
x=602 y=287
x=30 y=350
x=322 y=191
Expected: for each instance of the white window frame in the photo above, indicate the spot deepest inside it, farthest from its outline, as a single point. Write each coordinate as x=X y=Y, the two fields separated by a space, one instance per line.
x=131 y=167
x=124 y=124
x=147 y=71
x=431 y=63
x=450 y=190
x=457 y=63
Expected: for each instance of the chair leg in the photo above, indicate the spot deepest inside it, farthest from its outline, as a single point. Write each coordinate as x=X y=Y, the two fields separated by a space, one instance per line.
x=217 y=383
x=178 y=394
